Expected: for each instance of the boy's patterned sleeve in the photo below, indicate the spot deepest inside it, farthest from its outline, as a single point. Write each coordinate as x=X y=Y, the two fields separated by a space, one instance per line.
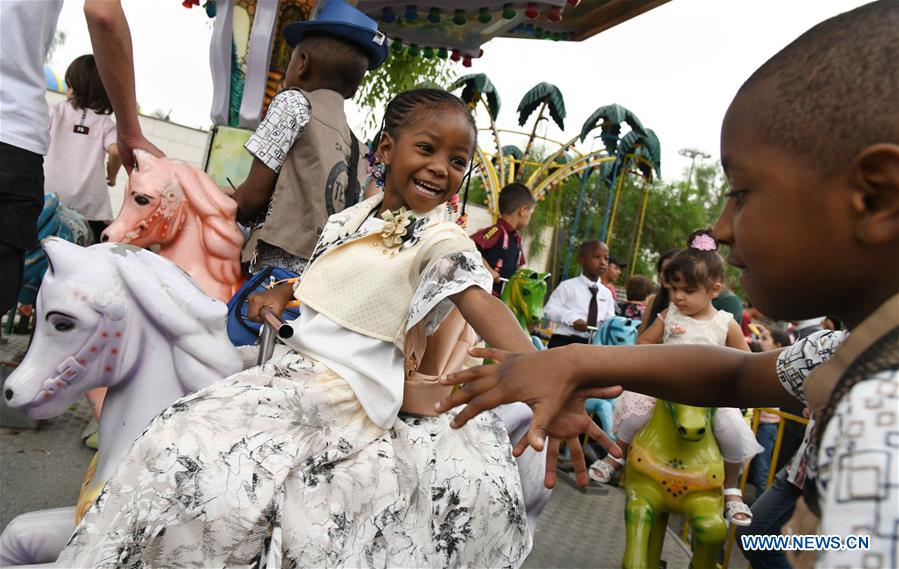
x=284 y=122
x=796 y=362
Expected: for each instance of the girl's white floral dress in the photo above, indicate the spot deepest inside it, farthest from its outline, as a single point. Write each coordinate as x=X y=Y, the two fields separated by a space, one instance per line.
x=281 y=465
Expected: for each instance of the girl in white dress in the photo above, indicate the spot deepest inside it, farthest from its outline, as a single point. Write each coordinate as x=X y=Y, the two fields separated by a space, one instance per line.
x=328 y=456
x=694 y=278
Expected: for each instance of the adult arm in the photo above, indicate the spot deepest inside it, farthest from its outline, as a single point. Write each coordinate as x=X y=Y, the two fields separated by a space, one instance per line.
x=111 y=41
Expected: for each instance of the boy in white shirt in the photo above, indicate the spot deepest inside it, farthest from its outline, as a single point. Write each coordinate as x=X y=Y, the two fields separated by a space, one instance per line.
x=581 y=302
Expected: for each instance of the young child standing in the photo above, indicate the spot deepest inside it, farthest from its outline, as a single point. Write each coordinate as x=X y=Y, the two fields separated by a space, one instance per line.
x=813 y=222
x=581 y=302
x=500 y=244
x=332 y=455
x=694 y=278
x=307 y=163
x=83 y=158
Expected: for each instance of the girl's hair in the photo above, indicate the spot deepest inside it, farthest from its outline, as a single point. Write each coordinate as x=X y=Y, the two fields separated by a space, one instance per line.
x=661 y=300
x=87 y=88
x=638 y=288
x=699 y=265
x=407 y=108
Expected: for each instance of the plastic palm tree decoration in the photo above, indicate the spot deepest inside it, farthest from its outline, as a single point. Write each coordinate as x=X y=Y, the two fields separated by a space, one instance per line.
x=547 y=97
x=612 y=117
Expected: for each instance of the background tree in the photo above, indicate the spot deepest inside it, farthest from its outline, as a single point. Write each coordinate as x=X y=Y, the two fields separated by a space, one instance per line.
x=400 y=72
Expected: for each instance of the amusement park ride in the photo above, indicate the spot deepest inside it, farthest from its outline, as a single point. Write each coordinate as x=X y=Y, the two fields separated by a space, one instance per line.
x=248 y=58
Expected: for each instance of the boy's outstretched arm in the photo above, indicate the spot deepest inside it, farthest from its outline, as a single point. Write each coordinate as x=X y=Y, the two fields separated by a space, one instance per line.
x=546 y=381
x=493 y=321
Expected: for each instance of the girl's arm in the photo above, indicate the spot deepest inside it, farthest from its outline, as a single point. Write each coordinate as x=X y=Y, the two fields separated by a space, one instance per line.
x=256 y=191
x=113 y=163
x=735 y=337
x=492 y=320
x=653 y=335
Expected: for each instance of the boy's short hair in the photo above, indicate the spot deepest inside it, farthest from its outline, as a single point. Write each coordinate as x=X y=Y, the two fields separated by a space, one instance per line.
x=836 y=87
x=638 y=288
x=340 y=64
x=588 y=246
x=513 y=196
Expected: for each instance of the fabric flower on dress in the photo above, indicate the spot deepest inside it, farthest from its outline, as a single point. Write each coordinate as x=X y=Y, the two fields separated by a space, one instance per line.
x=678 y=329
x=395 y=227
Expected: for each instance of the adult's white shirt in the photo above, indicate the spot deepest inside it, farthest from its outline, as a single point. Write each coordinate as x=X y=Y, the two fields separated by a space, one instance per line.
x=571 y=301
x=26 y=31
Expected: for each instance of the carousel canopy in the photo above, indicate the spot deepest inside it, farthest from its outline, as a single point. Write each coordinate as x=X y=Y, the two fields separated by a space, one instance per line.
x=464 y=25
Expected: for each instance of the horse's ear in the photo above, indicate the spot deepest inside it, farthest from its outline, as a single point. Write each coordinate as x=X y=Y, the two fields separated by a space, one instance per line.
x=145 y=160
x=64 y=257
x=543 y=276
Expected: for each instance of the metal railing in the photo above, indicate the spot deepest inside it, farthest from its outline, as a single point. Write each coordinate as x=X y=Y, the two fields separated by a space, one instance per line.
x=272 y=328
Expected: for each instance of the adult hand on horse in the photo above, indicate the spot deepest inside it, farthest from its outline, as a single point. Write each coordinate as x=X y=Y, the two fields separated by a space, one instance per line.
x=557 y=404
x=275 y=300
x=128 y=143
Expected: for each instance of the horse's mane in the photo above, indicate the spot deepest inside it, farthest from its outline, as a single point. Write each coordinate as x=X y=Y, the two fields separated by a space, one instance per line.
x=221 y=238
x=172 y=303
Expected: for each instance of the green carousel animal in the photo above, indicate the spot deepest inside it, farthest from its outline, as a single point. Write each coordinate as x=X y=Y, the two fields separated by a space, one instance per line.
x=524 y=294
x=674 y=466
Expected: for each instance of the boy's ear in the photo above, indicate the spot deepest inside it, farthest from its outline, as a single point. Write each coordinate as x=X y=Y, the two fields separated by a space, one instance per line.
x=385 y=148
x=875 y=174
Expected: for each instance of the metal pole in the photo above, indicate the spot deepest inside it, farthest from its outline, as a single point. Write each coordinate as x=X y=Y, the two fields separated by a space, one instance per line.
x=272 y=327
x=608 y=238
x=640 y=227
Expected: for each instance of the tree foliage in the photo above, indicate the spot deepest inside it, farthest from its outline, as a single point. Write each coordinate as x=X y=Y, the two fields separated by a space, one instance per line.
x=399 y=73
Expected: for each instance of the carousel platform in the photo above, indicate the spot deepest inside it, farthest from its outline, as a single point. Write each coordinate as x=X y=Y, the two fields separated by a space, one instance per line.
x=43 y=466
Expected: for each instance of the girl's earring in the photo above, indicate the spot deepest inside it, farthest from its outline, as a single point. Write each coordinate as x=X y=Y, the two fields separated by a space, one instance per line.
x=377 y=170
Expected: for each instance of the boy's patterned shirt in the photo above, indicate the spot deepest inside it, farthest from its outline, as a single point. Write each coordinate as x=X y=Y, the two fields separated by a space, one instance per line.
x=858 y=462
x=284 y=122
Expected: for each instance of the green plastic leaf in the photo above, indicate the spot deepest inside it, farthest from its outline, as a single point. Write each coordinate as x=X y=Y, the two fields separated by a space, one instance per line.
x=514 y=151
x=645 y=145
x=543 y=93
x=612 y=117
x=474 y=86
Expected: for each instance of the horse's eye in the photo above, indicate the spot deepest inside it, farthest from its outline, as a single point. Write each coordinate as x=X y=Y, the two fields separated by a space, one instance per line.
x=526 y=292
x=141 y=200
x=63 y=326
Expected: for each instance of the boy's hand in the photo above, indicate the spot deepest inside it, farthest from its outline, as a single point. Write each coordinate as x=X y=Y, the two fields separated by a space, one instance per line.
x=275 y=300
x=579 y=325
x=546 y=382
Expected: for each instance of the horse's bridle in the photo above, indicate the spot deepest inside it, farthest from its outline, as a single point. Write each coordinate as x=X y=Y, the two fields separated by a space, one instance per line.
x=105 y=345
x=162 y=215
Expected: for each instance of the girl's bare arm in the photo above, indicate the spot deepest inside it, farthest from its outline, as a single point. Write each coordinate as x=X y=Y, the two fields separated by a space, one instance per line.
x=492 y=320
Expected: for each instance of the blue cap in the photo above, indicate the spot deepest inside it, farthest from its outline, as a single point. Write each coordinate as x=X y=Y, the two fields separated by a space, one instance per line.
x=337 y=18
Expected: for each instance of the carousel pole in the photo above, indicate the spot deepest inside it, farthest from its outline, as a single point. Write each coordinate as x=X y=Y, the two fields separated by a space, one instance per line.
x=618 y=187
x=585 y=177
x=639 y=235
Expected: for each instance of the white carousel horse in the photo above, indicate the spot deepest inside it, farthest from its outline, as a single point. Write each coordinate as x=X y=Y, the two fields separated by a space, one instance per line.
x=177 y=207
x=117 y=316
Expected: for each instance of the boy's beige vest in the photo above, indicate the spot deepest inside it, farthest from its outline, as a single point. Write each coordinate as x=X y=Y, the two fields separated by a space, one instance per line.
x=368 y=288
x=313 y=180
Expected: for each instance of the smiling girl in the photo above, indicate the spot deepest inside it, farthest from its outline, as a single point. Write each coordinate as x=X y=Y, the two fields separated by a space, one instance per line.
x=331 y=454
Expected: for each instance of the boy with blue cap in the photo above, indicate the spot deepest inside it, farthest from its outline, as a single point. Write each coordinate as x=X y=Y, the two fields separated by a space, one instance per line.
x=307 y=163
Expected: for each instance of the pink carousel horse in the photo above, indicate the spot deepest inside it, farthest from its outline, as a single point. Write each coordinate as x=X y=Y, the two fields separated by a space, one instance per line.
x=103 y=311
x=178 y=208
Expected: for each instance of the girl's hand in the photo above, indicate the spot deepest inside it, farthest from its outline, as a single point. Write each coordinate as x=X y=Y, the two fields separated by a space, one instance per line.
x=275 y=300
